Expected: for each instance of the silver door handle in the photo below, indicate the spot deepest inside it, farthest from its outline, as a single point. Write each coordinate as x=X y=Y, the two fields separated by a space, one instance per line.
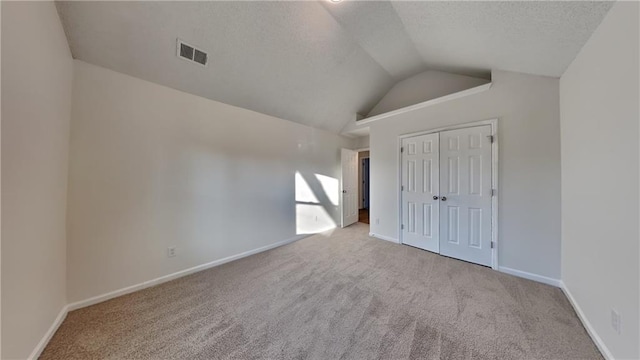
x=444 y=198
x=435 y=198
x=344 y=191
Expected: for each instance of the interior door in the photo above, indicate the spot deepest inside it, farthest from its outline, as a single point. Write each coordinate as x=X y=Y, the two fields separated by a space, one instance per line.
x=420 y=191
x=349 y=184
x=465 y=194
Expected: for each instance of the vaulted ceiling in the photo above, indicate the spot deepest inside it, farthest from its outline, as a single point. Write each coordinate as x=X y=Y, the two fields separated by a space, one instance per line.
x=318 y=62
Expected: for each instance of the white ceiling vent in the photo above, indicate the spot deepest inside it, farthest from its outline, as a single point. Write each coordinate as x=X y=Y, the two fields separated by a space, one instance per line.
x=190 y=53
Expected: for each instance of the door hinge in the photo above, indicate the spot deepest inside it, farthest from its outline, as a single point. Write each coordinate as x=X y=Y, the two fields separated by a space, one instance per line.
x=402 y=188
x=493 y=244
x=491 y=139
x=402 y=149
x=402 y=227
x=494 y=192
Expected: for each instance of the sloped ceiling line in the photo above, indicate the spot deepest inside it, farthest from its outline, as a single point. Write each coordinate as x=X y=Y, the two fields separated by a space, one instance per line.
x=320 y=63
x=383 y=35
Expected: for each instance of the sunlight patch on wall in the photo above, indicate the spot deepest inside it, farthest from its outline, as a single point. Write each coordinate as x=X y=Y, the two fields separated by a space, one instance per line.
x=331 y=188
x=311 y=215
x=303 y=190
x=312 y=219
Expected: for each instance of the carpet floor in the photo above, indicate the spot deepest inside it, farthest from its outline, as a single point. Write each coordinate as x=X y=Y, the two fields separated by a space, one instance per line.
x=338 y=296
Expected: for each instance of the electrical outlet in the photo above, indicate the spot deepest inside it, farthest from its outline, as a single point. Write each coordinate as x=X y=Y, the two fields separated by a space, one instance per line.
x=377 y=221
x=616 y=321
x=171 y=251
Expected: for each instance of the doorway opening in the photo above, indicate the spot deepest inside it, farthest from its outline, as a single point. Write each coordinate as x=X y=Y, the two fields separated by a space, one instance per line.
x=355 y=186
x=363 y=186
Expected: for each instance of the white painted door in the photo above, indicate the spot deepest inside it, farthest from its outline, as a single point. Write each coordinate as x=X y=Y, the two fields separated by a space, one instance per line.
x=465 y=194
x=420 y=191
x=349 y=186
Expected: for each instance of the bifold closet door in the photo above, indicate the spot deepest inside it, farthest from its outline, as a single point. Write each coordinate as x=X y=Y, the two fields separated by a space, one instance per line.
x=420 y=187
x=465 y=194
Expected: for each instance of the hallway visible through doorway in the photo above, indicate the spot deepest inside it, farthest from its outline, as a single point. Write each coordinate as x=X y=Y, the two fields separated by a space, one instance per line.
x=363 y=216
x=363 y=185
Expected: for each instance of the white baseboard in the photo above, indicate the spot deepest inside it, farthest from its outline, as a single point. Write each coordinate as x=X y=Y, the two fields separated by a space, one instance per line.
x=587 y=325
x=49 y=334
x=113 y=294
x=382 y=237
x=129 y=289
x=530 y=276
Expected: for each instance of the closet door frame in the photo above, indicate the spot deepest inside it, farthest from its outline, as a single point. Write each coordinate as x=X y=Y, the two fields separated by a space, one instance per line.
x=494 y=178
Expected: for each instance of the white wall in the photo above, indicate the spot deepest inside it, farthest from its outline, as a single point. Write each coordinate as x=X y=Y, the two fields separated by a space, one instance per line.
x=152 y=167
x=362 y=142
x=422 y=87
x=36 y=104
x=0 y=191
x=599 y=102
x=529 y=173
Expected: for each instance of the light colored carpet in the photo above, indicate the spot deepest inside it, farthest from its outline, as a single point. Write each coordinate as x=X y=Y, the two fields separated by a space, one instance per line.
x=346 y=296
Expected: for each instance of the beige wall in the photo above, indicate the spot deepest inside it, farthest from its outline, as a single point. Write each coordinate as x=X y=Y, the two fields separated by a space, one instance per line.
x=362 y=142
x=529 y=172
x=152 y=167
x=425 y=86
x=599 y=102
x=36 y=104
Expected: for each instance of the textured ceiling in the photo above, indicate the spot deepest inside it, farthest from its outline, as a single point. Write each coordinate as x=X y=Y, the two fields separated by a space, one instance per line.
x=534 y=37
x=319 y=63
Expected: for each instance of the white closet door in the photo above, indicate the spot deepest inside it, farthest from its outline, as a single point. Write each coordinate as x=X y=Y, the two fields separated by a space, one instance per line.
x=420 y=182
x=349 y=187
x=465 y=194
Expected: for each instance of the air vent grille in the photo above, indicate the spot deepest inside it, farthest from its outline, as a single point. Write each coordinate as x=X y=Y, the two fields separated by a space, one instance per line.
x=190 y=53
x=200 y=57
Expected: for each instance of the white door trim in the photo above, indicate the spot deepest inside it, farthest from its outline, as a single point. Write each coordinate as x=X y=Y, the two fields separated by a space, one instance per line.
x=494 y=178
